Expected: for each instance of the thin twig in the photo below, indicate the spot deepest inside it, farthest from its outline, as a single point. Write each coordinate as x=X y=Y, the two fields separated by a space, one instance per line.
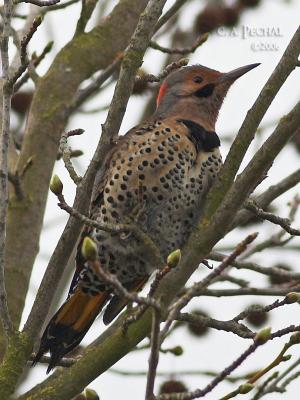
x=35 y=61
x=228 y=326
x=64 y=362
x=4 y=145
x=165 y=72
x=39 y=3
x=219 y=378
x=66 y=154
x=261 y=388
x=276 y=239
x=112 y=280
x=280 y=358
x=93 y=87
x=137 y=314
x=285 y=223
x=23 y=51
x=286 y=372
x=228 y=278
x=154 y=355
x=115 y=228
x=185 y=50
x=169 y=14
x=289 y=380
x=249 y=291
x=260 y=309
x=190 y=293
x=87 y=8
x=57 y=6
x=143 y=373
x=146 y=241
x=264 y=199
x=274 y=386
x=269 y=271
x=158 y=277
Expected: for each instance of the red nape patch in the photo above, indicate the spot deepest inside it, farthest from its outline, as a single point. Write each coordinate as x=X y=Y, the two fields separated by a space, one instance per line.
x=161 y=93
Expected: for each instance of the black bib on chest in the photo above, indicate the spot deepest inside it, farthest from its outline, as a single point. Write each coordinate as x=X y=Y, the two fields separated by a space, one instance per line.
x=202 y=139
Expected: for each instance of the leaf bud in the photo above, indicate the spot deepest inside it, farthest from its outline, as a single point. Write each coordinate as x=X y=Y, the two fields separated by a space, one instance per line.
x=174 y=258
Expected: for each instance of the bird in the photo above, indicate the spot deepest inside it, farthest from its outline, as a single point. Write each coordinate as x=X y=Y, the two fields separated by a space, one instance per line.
x=158 y=173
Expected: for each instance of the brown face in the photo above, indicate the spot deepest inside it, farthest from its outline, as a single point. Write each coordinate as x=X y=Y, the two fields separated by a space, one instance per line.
x=196 y=81
x=199 y=81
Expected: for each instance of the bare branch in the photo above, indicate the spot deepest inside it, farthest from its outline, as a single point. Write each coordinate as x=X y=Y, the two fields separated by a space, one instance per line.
x=66 y=154
x=112 y=280
x=39 y=3
x=87 y=8
x=285 y=223
x=270 y=307
x=4 y=144
x=227 y=326
x=274 y=386
x=190 y=293
x=169 y=68
x=249 y=291
x=138 y=44
x=219 y=378
x=57 y=6
x=186 y=50
x=23 y=51
x=149 y=246
x=141 y=373
x=36 y=60
x=276 y=239
x=261 y=387
x=92 y=88
x=260 y=339
x=264 y=199
x=269 y=271
x=169 y=14
x=154 y=355
x=141 y=309
x=64 y=362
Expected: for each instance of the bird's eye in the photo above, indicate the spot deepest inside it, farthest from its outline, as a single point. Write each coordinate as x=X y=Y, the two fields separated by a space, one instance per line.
x=197 y=79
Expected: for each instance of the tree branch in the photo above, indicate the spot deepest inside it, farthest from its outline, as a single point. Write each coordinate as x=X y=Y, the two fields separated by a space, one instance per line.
x=4 y=145
x=185 y=50
x=264 y=199
x=190 y=293
x=285 y=223
x=82 y=57
x=249 y=291
x=40 y=3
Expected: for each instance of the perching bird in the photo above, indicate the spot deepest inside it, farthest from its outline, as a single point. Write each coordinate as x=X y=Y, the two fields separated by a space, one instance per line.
x=159 y=172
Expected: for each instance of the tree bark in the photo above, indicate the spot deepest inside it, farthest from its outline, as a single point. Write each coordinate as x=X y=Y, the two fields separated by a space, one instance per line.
x=78 y=60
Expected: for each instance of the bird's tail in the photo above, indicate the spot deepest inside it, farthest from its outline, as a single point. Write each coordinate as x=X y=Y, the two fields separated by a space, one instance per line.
x=69 y=325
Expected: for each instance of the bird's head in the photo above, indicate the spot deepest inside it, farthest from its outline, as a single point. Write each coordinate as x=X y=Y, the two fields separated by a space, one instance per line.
x=196 y=92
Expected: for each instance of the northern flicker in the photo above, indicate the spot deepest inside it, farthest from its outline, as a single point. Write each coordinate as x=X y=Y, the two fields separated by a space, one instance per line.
x=163 y=168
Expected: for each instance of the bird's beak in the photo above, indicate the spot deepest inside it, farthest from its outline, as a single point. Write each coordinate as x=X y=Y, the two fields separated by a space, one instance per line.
x=236 y=73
